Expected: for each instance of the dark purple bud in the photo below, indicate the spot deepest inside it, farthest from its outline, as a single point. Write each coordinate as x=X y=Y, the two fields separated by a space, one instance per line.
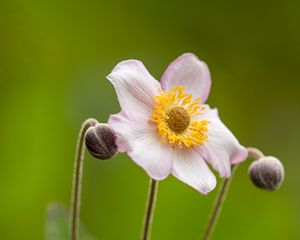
x=100 y=141
x=267 y=173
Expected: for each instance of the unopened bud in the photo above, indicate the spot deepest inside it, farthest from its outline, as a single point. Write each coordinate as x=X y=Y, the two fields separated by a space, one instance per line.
x=100 y=141
x=267 y=173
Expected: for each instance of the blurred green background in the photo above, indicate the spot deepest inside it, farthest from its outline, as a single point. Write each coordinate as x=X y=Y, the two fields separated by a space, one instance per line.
x=54 y=56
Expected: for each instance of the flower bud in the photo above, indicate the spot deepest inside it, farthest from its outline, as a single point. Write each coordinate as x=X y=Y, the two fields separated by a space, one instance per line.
x=100 y=141
x=267 y=173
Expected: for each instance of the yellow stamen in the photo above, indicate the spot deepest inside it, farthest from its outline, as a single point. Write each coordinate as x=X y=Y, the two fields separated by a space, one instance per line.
x=174 y=114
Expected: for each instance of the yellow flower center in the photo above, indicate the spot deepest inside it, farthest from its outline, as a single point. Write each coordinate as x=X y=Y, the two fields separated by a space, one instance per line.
x=174 y=114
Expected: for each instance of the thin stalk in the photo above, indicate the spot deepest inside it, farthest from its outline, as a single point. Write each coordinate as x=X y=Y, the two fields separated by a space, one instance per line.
x=216 y=210
x=255 y=153
x=77 y=178
x=221 y=196
x=153 y=186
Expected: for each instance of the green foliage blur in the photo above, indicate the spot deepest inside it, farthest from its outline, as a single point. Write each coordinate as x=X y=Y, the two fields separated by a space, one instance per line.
x=54 y=56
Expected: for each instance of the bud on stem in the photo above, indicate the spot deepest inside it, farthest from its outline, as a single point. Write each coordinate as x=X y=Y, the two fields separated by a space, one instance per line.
x=100 y=141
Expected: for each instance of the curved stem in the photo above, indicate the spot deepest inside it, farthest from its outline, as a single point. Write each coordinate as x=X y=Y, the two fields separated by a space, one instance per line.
x=150 y=209
x=218 y=205
x=77 y=176
x=255 y=153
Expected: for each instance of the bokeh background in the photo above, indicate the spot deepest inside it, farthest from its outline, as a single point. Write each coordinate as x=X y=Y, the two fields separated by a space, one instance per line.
x=54 y=56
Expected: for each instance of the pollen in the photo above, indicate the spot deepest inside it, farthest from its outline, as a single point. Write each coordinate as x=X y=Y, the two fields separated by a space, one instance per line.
x=175 y=115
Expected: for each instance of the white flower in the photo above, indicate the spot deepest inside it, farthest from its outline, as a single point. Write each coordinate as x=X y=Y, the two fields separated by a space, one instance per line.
x=166 y=127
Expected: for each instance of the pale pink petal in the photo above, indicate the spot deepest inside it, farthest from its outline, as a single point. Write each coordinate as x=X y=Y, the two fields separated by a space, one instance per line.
x=190 y=168
x=222 y=149
x=135 y=87
x=190 y=72
x=140 y=139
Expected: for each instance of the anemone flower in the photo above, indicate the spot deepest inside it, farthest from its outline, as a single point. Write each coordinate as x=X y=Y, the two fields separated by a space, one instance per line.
x=166 y=127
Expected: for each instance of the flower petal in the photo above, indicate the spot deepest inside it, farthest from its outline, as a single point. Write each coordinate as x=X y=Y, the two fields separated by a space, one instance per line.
x=190 y=72
x=139 y=138
x=191 y=169
x=135 y=87
x=222 y=149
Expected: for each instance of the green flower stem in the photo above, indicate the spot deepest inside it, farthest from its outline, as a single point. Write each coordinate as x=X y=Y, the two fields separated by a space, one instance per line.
x=77 y=178
x=218 y=205
x=153 y=186
x=221 y=196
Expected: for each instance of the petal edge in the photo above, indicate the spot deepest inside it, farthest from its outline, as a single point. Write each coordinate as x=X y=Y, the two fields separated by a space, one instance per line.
x=135 y=87
x=191 y=169
x=188 y=71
